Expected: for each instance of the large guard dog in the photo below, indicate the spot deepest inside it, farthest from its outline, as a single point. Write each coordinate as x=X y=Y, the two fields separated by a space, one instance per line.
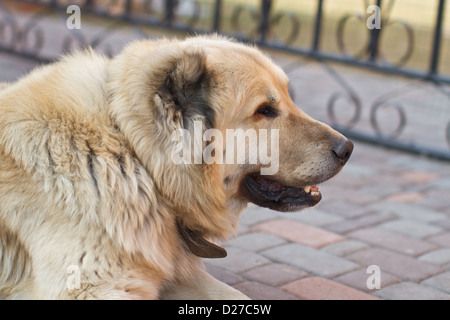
x=91 y=204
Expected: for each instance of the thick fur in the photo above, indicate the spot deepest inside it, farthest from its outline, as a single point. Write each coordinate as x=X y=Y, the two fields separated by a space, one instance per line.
x=86 y=178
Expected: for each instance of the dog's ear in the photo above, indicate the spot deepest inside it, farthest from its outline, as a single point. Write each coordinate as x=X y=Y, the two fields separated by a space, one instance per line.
x=183 y=96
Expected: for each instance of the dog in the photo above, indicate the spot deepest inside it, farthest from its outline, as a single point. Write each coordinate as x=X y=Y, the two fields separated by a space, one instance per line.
x=91 y=204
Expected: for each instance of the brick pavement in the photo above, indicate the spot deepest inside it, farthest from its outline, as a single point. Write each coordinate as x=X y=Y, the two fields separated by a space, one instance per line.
x=327 y=249
x=386 y=208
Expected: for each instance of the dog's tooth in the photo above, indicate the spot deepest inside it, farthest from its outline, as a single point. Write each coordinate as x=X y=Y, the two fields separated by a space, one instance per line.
x=307 y=189
x=315 y=191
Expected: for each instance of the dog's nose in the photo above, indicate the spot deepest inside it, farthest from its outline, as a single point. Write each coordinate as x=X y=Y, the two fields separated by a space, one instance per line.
x=343 y=150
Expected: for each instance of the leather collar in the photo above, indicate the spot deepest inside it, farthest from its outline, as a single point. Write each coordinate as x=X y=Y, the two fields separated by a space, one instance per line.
x=199 y=246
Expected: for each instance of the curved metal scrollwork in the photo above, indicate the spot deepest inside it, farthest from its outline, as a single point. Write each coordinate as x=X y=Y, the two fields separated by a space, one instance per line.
x=184 y=12
x=294 y=27
x=409 y=33
x=237 y=16
x=193 y=9
x=342 y=23
x=8 y=31
x=397 y=131
x=386 y=23
x=28 y=33
x=241 y=12
x=99 y=41
x=27 y=37
x=350 y=98
x=31 y=37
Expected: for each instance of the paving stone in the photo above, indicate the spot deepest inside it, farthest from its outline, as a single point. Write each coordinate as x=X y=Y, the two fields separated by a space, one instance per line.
x=359 y=170
x=373 y=154
x=408 y=211
x=419 y=176
x=402 y=266
x=418 y=164
x=13 y=66
x=388 y=183
x=259 y=291
x=439 y=256
x=223 y=275
x=345 y=247
x=443 y=183
x=299 y=233
x=239 y=260
x=411 y=291
x=314 y=217
x=436 y=199
x=358 y=279
x=406 y=197
x=343 y=208
x=445 y=210
x=364 y=221
x=379 y=189
x=355 y=175
x=445 y=224
x=316 y=288
x=338 y=192
x=440 y=281
x=334 y=189
x=411 y=228
x=255 y=241
x=254 y=214
x=442 y=239
x=311 y=260
x=242 y=229
x=274 y=274
x=393 y=241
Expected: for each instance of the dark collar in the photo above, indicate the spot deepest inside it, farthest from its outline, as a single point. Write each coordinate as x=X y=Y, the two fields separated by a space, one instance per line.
x=199 y=246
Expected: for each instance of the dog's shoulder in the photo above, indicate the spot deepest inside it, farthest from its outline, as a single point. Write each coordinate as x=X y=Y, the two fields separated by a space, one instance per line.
x=53 y=107
x=55 y=128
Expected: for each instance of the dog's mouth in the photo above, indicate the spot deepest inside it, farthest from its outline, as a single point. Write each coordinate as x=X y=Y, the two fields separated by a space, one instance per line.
x=269 y=193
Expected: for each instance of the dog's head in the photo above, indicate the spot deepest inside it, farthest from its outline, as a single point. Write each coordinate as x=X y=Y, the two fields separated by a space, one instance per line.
x=191 y=108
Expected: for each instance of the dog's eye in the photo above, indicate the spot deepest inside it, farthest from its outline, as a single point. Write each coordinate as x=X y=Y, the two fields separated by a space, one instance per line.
x=267 y=111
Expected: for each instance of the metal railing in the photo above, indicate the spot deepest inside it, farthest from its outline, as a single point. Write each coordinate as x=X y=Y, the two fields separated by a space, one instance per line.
x=27 y=38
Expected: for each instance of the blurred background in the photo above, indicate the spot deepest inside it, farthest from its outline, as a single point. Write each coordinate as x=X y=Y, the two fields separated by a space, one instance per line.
x=387 y=88
x=413 y=42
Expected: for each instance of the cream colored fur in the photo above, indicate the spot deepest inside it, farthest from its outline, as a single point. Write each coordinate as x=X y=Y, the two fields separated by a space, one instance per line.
x=86 y=179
